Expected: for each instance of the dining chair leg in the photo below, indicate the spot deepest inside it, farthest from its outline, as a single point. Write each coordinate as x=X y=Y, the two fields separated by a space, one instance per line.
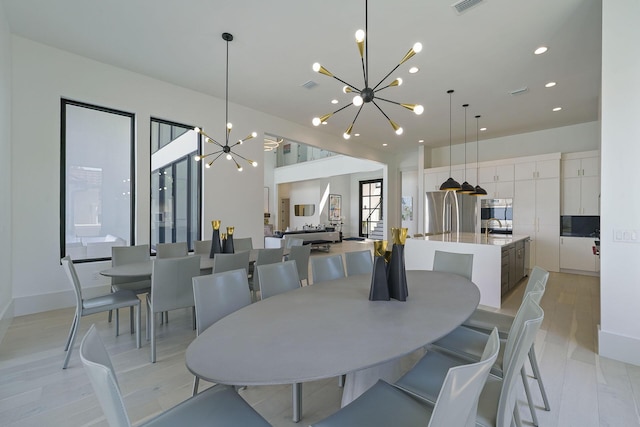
x=193 y=316
x=76 y=325
x=527 y=392
x=341 y=380
x=110 y=315
x=296 y=389
x=196 y=383
x=73 y=325
x=138 y=310
x=117 y=322
x=536 y=373
x=131 y=320
x=153 y=338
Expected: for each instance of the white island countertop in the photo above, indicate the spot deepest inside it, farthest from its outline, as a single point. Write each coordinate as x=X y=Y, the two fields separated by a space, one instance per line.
x=487 y=258
x=475 y=238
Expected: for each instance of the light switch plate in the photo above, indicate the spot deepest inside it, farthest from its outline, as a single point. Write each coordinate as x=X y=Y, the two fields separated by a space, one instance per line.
x=626 y=235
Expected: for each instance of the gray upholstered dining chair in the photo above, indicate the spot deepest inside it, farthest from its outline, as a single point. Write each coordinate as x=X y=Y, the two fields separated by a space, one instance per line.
x=228 y=262
x=294 y=241
x=171 y=250
x=171 y=289
x=216 y=296
x=301 y=254
x=202 y=247
x=485 y=320
x=122 y=255
x=277 y=278
x=497 y=405
x=450 y=262
x=358 y=262
x=264 y=257
x=242 y=244
x=456 y=403
x=325 y=268
x=87 y=306
x=219 y=405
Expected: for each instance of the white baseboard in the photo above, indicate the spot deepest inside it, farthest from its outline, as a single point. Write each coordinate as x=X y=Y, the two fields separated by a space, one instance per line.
x=6 y=316
x=53 y=301
x=619 y=347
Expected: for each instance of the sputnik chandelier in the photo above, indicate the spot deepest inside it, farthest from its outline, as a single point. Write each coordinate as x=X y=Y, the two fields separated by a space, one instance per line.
x=226 y=148
x=368 y=94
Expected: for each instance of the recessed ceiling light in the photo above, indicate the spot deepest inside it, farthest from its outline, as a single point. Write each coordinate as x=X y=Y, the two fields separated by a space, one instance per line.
x=334 y=101
x=557 y=109
x=413 y=70
x=540 y=50
x=356 y=134
x=550 y=84
x=385 y=144
x=421 y=141
x=483 y=129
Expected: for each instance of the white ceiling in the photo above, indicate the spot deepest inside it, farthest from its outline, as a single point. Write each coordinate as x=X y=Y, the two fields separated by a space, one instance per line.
x=483 y=54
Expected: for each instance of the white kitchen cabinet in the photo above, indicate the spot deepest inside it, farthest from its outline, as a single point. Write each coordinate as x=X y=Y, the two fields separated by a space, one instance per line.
x=536 y=210
x=497 y=180
x=434 y=179
x=537 y=169
x=581 y=185
x=576 y=253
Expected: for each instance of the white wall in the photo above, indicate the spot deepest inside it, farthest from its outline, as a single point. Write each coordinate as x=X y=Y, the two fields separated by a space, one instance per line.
x=567 y=139
x=619 y=336
x=410 y=189
x=6 y=310
x=41 y=77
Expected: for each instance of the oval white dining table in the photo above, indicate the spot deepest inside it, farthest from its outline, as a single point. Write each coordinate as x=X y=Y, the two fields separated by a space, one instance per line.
x=330 y=329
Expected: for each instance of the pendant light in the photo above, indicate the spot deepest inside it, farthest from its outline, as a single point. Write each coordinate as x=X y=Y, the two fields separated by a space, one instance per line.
x=479 y=190
x=465 y=188
x=450 y=184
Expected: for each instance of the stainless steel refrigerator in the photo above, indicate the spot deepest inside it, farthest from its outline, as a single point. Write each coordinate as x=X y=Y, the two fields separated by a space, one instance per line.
x=440 y=212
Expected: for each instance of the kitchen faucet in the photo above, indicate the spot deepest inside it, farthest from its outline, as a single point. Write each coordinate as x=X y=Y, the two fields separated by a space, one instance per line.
x=486 y=229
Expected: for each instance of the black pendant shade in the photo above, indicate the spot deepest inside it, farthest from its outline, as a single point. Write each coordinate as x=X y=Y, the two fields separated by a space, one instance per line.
x=450 y=184
x=479 y=191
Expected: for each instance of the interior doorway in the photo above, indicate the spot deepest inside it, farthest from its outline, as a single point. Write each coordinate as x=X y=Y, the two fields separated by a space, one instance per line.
x=371 y=209
x=283 y=217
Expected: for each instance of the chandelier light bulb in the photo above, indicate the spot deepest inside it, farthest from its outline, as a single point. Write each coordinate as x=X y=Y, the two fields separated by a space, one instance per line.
x=316 y=121
x=357 y=100
x=346 y=89
x=254 y=134
x=254 y=164
x=418 y=109
x=399 y=131
x=197 y=158
x=360 y=36
x=399 y=80
x=417 y=48
x=197 y=129
x=208 y=165
x=316 y=67
x=346 y=135
x=229 y=126
x=229 y=157
x=239 y=168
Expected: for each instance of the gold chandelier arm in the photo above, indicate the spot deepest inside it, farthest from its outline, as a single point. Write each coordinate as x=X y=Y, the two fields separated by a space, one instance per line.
x=207 y=138
x=200 y=157
x=347 y=134
x=394 y=125
x=385 y=78
x=251 y=162
x=208 y=165
x=237 y=164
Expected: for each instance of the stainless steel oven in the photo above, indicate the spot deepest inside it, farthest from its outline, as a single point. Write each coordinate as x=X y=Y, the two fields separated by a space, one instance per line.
x=496 y=215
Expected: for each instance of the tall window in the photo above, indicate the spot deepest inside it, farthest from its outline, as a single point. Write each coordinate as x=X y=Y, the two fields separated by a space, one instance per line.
x=96 y=180
x=371 y=221
x=175 y=184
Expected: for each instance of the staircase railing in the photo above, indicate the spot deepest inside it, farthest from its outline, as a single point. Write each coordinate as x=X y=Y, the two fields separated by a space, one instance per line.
x=367 y=223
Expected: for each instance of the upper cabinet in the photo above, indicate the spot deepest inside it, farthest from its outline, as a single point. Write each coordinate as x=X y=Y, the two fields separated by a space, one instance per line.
x=538 y=169
x=581 y=183
x=497 y=180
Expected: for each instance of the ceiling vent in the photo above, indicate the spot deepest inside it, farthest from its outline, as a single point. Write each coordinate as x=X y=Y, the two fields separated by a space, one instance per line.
x=519 y=91
x=464 y=5
x=309 y=84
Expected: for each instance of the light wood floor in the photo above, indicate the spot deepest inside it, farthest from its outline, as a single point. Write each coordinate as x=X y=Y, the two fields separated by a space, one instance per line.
x=584 y=389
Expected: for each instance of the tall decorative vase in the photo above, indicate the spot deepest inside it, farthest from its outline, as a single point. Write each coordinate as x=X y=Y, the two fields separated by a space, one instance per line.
x=228 y=247
x=396 y=272
x=379 y=285
x=216 y=247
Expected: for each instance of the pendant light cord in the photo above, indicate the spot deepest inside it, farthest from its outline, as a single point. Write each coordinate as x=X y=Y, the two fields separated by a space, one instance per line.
x=465 y=141
x=450 y=92
x=366 y=43
x=477 y=150
x=226 y=111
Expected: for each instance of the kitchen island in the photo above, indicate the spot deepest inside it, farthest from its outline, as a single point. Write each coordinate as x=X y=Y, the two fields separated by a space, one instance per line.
x=498 y=260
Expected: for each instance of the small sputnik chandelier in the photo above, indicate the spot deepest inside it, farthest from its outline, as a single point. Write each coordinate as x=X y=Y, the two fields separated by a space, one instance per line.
x=368 y=94
x=226 y=149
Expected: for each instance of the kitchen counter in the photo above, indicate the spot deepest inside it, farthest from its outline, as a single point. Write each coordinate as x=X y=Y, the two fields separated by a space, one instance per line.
x=475 y=238
x=487 y=259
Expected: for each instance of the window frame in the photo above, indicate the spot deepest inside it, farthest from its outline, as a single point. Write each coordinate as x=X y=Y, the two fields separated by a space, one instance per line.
x=64 y=102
